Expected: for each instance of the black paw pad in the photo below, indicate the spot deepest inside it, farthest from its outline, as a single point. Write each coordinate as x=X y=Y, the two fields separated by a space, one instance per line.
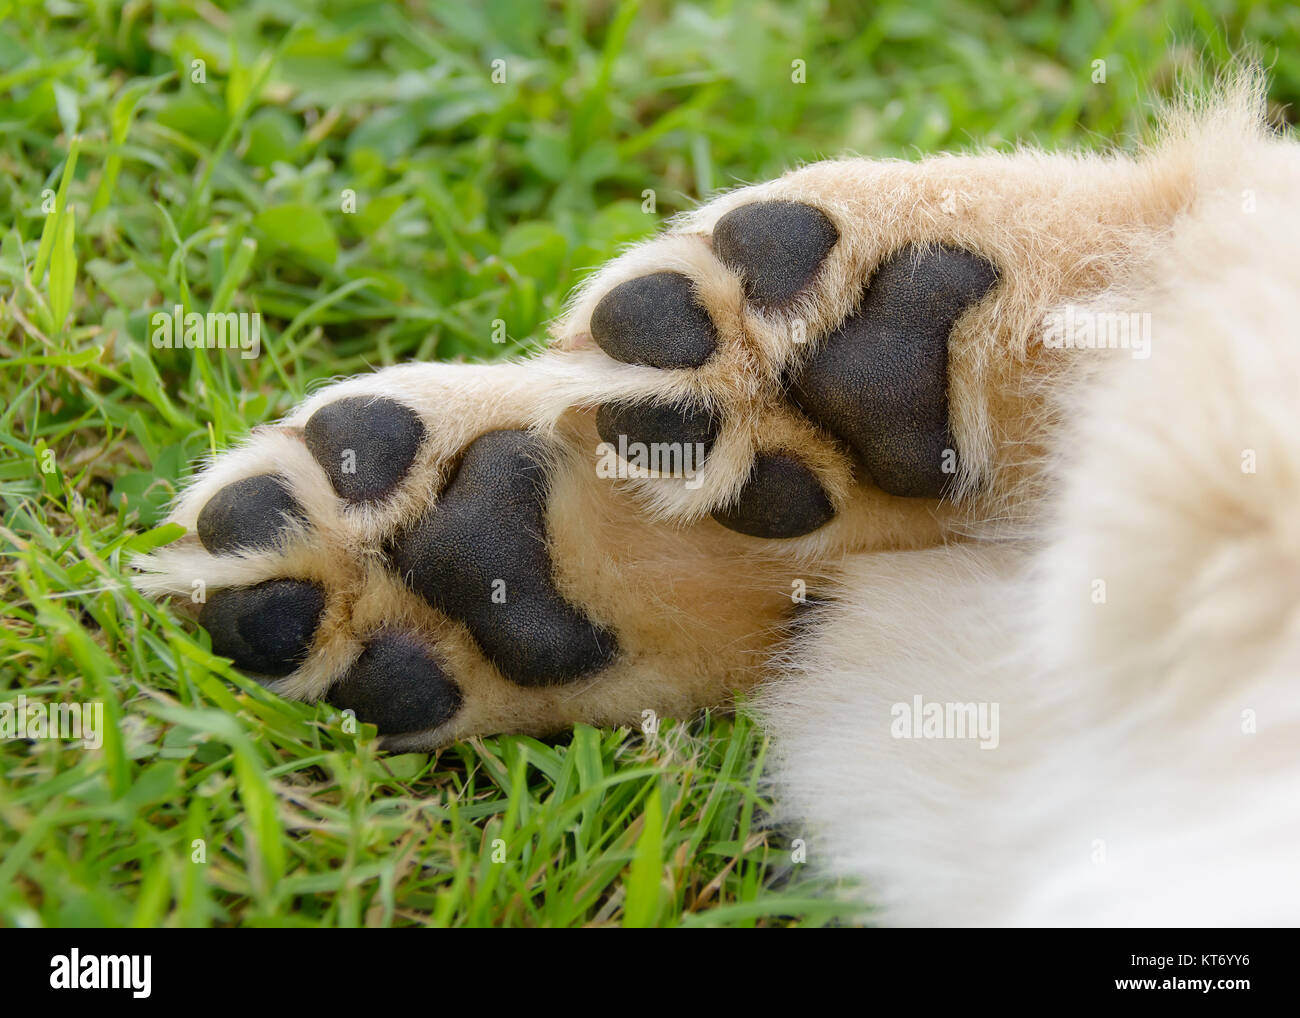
x=266 y=629
x=365 y=444
x=654 y=320
x=659 y=436
x=782 y=498
x=397 y=686
x=247 y=514
x=480 y=556
x=776 y=246
x=880 y=382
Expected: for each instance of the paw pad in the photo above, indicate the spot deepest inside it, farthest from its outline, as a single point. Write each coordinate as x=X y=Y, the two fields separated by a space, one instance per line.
x=365 y=445
x=249 y=514
x=654 y=320
x=397 y=686
x=781 y=498
x=685 y=434
x=880 y=381
x=479 y=555
x=776 y=246
x=266 y=629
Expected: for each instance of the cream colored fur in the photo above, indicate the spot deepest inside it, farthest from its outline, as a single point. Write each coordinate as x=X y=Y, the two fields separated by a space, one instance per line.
x=1146 y=771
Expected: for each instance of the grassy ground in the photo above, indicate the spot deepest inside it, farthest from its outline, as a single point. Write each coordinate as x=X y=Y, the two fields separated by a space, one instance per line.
x=133 y=178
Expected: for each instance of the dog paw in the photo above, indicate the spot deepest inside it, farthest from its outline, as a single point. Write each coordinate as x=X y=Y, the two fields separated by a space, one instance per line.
x=626 y=522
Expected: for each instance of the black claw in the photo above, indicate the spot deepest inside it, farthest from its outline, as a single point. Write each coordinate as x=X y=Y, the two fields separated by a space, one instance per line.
x=365 y=444
x=479 y=555
x=776 y=246
x=397 y=686
x=880 y=382
x=782 y=498
x=654 y=320
x=266 y=629
x=248 y=514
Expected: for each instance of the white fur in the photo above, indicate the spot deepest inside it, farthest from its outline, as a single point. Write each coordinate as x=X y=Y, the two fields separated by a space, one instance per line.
x=1126 y=788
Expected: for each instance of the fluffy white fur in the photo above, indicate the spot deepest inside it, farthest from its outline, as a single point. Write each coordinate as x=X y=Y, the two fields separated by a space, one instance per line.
x=1149 y=757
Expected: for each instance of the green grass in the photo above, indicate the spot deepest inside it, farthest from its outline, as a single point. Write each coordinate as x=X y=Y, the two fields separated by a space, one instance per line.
x=127 y=185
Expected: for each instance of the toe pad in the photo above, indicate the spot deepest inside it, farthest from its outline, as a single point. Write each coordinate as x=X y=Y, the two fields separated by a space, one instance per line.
x=397 y=686
x=654 y=320
x=781 y=498
x=266 y=629
x=665 y=433
x=365 y=445
x=248 y=514
x=776 y=246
